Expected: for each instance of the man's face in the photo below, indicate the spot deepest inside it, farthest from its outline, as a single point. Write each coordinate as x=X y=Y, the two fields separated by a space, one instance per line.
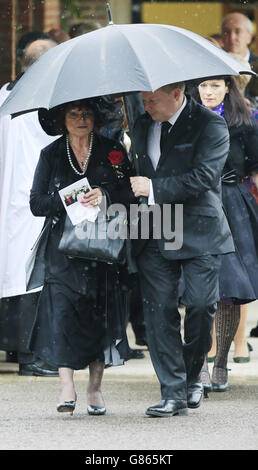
x=160 y=105
x=235 y=35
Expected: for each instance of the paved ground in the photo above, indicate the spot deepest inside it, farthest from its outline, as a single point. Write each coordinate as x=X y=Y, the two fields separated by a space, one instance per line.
x=224 y=421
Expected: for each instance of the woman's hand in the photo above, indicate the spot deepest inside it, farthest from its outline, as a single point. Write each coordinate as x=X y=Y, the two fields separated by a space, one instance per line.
x=92 y=198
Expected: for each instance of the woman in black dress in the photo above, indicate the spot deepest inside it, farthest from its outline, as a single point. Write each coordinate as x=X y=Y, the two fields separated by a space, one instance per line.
x=80 y=316
x=239 y=270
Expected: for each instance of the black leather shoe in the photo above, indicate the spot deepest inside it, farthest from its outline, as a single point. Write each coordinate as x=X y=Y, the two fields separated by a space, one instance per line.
x=36 y=370
x=254 y=332
x=168 y=408
x=137 y=354
x=194 y=394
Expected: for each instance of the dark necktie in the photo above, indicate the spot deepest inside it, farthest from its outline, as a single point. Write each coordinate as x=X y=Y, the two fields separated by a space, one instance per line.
x=165 y=126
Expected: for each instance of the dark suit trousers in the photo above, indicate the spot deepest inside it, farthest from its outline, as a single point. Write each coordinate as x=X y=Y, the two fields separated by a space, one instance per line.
x=177 y=363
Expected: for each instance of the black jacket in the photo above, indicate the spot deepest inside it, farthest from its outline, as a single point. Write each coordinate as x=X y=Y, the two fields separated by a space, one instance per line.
x=188 y=173
x=243 y=153
x=54 y=172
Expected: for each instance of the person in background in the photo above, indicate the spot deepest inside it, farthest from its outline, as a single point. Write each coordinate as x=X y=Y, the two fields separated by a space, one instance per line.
x=252 y=95
x=241 y=346
x=239 y=270
x=24 y=42
x=216 y=39
x=252 y=89
x=237 y=35
x=58 y=35
x=21 y=140
x=81 y=28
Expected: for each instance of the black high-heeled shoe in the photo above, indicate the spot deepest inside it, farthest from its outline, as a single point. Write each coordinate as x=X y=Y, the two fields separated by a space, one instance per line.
x=67 y=406
x=96 y=410
x=219 y=379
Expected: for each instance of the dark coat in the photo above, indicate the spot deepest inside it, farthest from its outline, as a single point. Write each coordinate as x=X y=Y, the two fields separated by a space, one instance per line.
x=188 y=173
x=252 y=57
x=243 y=153
x=54 y=172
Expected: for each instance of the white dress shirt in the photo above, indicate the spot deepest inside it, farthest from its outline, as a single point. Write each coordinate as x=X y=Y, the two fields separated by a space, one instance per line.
x=153 y=143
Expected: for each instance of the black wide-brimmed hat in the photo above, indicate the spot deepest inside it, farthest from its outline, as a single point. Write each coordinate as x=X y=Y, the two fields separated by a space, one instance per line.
x=52 y=120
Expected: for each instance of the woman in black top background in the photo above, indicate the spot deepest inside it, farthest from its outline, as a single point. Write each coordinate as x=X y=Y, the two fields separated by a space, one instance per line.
x=239 y=270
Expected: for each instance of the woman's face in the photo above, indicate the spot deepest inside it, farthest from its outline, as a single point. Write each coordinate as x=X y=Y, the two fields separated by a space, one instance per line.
x=79 y=122
x=212 y=92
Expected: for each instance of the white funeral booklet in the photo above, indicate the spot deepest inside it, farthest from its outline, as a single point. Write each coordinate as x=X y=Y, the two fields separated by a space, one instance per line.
x=71 y=196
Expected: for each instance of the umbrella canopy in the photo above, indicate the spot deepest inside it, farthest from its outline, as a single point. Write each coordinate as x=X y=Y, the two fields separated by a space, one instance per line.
x=118 y=59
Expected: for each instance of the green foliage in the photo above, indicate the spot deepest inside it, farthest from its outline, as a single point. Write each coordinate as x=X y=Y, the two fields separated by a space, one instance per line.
x=72 y=8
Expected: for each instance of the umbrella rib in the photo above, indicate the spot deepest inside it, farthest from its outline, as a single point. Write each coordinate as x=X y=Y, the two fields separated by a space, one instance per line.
x=56 y=82
x=138 y=60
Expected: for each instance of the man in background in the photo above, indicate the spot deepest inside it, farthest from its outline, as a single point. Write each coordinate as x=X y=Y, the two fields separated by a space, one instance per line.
x=21 y=140
x=237 y=35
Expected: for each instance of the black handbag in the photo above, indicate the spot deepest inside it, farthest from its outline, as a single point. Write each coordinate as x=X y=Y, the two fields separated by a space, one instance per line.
x=102 y=240
x=35 y=264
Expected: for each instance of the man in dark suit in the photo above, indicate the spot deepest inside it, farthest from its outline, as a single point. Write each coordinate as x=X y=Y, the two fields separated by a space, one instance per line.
x=181 y=171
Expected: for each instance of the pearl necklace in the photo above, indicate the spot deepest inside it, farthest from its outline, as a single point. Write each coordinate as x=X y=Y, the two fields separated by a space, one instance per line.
x=84 y=164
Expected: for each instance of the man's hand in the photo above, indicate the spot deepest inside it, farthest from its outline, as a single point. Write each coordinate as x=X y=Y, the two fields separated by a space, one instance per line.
x=140 y=185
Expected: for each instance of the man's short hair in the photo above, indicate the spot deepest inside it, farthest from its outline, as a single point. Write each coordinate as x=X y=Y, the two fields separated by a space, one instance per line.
x=168 y=88
x=41 y=46
x=27 y=39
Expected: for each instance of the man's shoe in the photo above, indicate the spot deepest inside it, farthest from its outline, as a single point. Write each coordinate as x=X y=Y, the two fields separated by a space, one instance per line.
x=137 y=354
x=254 y=332
x=37 y=370
x=168 y=408
x=194 y=394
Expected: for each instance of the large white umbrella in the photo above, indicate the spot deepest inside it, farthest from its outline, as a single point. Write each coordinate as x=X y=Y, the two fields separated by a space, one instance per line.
x=118 y=59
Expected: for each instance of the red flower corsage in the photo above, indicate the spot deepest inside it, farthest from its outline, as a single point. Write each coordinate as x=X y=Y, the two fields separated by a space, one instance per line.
x=116 y=157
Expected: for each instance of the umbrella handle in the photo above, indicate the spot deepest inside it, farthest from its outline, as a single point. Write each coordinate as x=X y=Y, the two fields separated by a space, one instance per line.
x=130 y=127
x=142 y=199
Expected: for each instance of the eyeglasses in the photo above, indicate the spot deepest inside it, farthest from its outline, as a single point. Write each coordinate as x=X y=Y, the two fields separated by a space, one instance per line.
x=77 y=116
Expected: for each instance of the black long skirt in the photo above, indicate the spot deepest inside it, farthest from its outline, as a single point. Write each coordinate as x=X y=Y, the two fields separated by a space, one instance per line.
x=80 y=316
x=238 y=280
x=73 y=329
